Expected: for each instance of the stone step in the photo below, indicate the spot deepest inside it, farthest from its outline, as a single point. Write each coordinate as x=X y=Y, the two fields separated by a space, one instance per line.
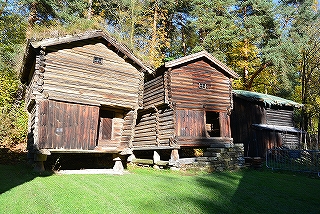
x=212 y=154
x=206 y=159
x=221 y=145
x=217 y=150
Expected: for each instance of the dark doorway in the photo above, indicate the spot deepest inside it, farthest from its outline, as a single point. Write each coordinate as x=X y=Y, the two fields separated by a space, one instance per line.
x=213 y=124
x=105 y=127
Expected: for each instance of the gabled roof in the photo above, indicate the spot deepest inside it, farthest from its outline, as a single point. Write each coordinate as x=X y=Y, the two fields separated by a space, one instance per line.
x=34 y=46
x=198 y=56
x=265 y=98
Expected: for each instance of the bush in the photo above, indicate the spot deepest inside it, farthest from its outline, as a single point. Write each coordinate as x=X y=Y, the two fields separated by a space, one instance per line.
x=13 y=117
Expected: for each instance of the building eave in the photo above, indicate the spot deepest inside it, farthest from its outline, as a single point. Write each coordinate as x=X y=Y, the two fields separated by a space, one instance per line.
x=33 y=46
x=198 y=56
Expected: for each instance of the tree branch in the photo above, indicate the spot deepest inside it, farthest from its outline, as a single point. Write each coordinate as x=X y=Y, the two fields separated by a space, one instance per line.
x=256 y=73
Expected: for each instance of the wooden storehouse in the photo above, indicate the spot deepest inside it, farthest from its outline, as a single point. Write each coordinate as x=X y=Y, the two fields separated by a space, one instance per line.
x=187 y=103
x=83 y=93
x=262 y=121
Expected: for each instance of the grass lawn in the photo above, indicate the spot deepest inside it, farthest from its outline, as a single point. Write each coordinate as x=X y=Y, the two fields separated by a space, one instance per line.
x=151 y=191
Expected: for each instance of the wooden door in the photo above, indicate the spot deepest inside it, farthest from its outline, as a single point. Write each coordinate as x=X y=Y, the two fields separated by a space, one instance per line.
x=110 y=129
x=190 y=123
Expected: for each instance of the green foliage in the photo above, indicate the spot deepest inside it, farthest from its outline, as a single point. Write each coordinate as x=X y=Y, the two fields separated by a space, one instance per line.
x=14 y=120
x=215 y=25
x=13 y=126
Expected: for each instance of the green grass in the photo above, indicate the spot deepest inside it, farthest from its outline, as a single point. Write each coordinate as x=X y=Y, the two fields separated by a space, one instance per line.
x=151 y=191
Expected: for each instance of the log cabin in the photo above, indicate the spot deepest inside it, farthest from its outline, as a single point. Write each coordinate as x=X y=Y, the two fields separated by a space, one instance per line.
x=88 y=93
x=261 y=121
x=187 y=104
x=82 y=94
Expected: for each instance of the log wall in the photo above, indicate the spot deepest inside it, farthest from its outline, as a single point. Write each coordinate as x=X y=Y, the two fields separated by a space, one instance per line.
x=154 y=93
x=291 y=140
x=214 y=94
x=279 y=117
x=71 y=75
x=189 y=91
x=155 y=128
x=128 y=129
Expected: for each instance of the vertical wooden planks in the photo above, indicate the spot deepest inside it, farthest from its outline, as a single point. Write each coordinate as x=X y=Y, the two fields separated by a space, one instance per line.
x=93 y=131
x=68 y=126
x=225 y=130
x=190 y=123
x=42 y=123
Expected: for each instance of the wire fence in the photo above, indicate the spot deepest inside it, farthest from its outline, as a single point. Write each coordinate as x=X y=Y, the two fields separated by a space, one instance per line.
x=294 y=160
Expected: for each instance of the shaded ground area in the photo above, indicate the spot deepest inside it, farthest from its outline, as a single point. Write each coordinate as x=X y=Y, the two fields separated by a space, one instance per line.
x=13 y=155
x=18 y=155
x=79 y=161
x=12 y=176
x=263 y=191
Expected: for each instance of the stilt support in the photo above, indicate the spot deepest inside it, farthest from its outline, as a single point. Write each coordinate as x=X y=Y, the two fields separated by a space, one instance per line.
x=174 y=159
x=38 y=160
x=118 y=167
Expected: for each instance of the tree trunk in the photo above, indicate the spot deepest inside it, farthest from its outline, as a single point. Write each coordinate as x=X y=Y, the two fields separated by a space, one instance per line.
x=132 y=23
x=318 y=137
x=33 y=17
x=154 y=26
x=153 y=45
x=90 y=9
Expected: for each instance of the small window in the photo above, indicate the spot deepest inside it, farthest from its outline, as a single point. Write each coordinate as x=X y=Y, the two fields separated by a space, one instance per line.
x=97 y=60
x=202 y=85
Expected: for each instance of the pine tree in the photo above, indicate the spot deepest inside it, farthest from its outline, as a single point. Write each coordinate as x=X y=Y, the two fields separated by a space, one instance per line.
x=258 y=39
x=215 y=25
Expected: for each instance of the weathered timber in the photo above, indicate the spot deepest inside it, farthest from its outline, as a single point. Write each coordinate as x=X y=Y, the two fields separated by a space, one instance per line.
x=185 y=93
x=262 y=122
x=279 y=117
x=142 y=161
x=83 y=93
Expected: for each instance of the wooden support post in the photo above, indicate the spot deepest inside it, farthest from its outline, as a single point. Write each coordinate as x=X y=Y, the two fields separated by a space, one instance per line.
x=38 y=160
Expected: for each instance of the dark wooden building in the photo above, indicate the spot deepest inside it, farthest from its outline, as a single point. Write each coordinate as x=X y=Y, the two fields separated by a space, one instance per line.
x=88 y=94
x=187 y=103
x=83 y=93
x=262 y=121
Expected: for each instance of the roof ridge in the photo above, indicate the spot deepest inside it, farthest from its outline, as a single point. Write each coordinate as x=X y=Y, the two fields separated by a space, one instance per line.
x=198 y=55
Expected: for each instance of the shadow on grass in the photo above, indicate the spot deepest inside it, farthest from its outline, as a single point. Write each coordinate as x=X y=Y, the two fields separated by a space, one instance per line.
x=221 y=188
x=260 y=191
x=14 y=175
